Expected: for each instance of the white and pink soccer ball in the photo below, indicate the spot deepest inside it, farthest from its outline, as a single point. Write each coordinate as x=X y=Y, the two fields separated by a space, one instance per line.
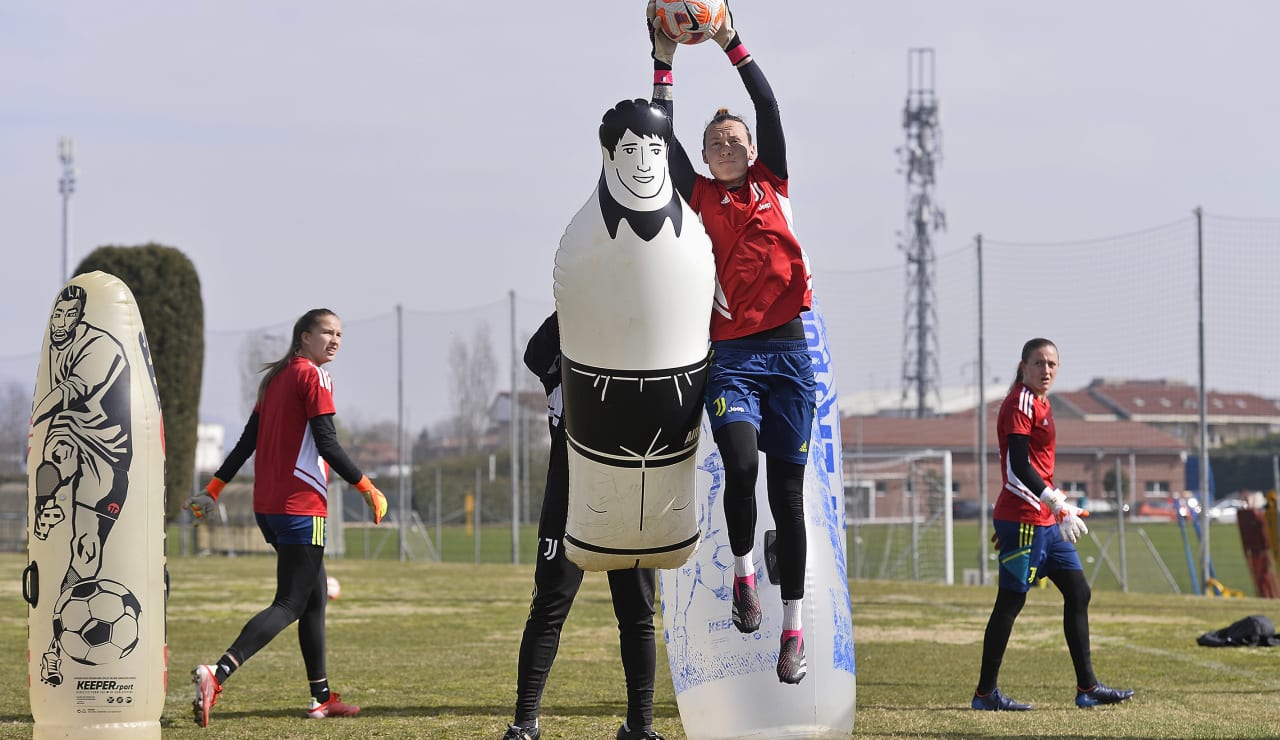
x=335 y=588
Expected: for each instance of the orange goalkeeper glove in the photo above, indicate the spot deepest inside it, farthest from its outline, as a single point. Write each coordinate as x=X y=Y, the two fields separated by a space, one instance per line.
x=202 y=504
x=373 y=497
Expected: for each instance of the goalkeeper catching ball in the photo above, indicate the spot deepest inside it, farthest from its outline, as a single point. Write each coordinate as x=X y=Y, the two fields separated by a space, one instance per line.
x=289 y=432
x=1035 y=531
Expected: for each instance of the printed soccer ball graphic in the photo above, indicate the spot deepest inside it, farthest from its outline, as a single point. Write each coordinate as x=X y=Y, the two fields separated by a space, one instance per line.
x=96 y=621
x=335 y=588
x=689 y=21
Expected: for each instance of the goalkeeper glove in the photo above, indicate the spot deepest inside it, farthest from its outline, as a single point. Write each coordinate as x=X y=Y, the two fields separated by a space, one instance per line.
x=1053 y=498
x=1070 y=518
x=727 y=36
x=1071 y=523
x=373 y=497
x=202 y=504
x=661 y=46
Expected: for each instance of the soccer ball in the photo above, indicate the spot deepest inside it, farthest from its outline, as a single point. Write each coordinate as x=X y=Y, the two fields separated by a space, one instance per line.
x=335 y=588
x=96 y=621
x=689 y=21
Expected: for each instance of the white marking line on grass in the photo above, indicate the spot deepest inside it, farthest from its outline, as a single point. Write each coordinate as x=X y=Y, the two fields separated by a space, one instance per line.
x=1259 y=677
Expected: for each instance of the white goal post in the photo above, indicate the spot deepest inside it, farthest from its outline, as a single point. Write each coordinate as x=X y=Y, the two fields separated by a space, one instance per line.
x=898 y=510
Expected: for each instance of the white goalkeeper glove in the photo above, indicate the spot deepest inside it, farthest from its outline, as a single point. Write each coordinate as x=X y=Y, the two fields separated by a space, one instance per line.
x=1071 y=523
x=1053 y=498
x=1070 y=518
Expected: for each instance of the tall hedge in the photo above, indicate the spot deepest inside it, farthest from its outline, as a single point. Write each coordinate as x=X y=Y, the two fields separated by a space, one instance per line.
x=165 y=284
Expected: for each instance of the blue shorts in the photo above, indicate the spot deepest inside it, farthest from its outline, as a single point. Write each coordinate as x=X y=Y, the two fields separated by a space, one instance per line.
x=1029 y=552
x=770 y=384
x=292 y=529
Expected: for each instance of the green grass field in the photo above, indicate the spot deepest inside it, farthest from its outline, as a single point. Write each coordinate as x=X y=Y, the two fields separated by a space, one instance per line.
x=429 y=651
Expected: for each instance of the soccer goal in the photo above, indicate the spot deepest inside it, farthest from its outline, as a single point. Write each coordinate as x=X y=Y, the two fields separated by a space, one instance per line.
x=898 y=509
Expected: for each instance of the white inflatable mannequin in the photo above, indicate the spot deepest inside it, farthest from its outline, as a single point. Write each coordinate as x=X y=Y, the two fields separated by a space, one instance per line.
x=634 y=280
x=95 y=582
x=725 y=682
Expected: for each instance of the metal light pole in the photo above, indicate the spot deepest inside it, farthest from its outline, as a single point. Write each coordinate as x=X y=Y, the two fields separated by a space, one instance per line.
x=982 y=428
x=401 y=483
x=515 y=443
x=66 y=186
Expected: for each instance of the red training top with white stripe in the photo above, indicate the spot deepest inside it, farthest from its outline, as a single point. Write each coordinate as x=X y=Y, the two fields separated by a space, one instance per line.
x=762 y=272
x=1024 y=413
x=290 y=476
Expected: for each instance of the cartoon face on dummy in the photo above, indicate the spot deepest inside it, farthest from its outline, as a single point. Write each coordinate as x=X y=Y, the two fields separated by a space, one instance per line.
x=636 y=172
x=67 y=315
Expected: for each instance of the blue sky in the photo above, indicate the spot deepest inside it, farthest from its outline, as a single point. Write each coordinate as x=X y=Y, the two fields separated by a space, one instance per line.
x=428 y=154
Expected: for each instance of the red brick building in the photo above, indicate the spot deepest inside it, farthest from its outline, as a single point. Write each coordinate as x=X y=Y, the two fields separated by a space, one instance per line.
x=1087 y=457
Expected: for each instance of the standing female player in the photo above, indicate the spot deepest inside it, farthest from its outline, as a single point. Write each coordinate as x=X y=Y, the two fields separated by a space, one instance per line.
x=1035 y=530
x=761 y=391
x=290 y=430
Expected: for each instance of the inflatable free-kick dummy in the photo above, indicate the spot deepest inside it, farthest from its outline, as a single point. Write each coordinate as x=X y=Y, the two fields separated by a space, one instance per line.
x=96 y=653
x=634 y=281
x=726 y=683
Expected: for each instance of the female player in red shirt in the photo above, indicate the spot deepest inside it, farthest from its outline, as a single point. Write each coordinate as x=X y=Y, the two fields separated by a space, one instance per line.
x=761 y=391
x=1035 y=531
x=291 y=432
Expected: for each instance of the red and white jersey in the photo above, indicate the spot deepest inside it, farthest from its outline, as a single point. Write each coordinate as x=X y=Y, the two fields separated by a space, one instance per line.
x=1024 y=413
x=762 y=272
x=290 y=476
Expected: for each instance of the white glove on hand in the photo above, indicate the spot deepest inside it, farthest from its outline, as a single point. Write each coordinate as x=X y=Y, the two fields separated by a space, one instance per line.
x=1071 y=523
x=1054 y=499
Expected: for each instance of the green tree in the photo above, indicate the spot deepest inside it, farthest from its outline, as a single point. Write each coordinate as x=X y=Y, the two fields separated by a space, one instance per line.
x=166 y=286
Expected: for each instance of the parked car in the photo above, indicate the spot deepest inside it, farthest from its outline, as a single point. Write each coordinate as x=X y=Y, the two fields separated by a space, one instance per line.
x=1225 y=511
x=1094 y=506
x=1157 y=508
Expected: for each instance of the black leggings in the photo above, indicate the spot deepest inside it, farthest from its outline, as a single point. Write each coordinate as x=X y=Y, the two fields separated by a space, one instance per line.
x=1075 y=626
x=785 y=482
x=556 y=581
x=301 y=595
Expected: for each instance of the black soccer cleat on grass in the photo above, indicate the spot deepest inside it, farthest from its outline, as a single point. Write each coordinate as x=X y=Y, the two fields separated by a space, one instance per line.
x=627 y=734
x=516 y=732
x=998 y=702
x=1101 y=695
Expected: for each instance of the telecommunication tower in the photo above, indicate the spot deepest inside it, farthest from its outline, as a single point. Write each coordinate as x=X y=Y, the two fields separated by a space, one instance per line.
x=919 y=158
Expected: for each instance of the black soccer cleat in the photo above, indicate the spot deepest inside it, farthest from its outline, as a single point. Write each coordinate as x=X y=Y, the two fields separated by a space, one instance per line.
x=998 y=702
x=746 y=605
x=1100 y=694
x=517 y=732
x=627 y=734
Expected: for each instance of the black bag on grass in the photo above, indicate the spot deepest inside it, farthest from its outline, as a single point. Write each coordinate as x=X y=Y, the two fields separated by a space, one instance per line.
x=1255 y=631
